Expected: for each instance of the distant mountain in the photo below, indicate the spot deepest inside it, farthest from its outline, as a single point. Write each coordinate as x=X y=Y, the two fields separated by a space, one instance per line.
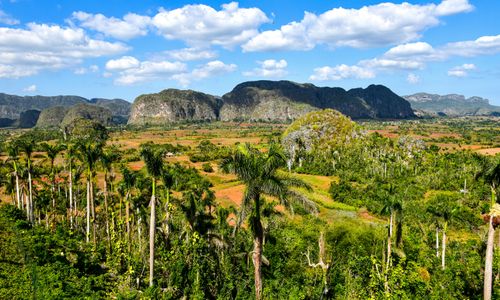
x=12 y=107
x=451 y=105
x=268 y=101
x=285 y=100
x=174 y=105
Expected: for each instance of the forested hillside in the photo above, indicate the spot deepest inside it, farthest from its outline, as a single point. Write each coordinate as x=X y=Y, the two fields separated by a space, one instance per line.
x=324 y=208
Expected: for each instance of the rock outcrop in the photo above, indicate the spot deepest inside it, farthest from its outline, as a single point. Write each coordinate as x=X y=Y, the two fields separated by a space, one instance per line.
x=285 y=100
x=451 y=105
x=172 y=105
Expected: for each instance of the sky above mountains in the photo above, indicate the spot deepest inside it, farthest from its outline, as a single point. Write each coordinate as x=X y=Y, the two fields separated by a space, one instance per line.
x=116 y=48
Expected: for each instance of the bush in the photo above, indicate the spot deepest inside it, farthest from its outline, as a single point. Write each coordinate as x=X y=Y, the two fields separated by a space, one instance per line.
x=207 y=167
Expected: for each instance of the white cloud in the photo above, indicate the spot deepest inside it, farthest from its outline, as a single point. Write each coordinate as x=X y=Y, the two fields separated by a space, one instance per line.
x=391 y=64
x=412 y=78
x=188 y=54
x=208 y=70
x=369 y=26
x=148 y=71
x=451 y=7
x=25 y=52
x=31 y=89
x=6 y=19
x=461 y=71
x=484 y=45
x=123 y=63
x=83 y=70
x=341 y=72
x=201 y=25
x=131 y=26
x=269 y=68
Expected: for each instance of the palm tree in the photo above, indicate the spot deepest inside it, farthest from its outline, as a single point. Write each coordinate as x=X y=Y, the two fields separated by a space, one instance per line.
x=51 y=151
x=89 y=154
x=260 y=174
x=126 y=185
x=107 y=159
x=13 y=155
x=27 y=145
x=70 y=155
x=393 y=207
x=153 y=158
x=492 y=177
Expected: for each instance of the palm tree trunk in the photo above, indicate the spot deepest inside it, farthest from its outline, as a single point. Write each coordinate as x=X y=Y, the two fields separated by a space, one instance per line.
x=437 y=241
x=88 y=212
x=152 y=225
x=30 y=195
x=488 y=265
x=70 y=197
x=92 y=208
x=19 y=205
x=389 y=241
x=106 y=212
x=127 y=220
x=443 y=246
x=257 y=250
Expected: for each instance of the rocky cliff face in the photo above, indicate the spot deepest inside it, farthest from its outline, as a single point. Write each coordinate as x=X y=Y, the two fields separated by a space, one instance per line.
x=451 y=105
x=174 y=105
x=284 y=100
x=52 y=117
x=12 y=107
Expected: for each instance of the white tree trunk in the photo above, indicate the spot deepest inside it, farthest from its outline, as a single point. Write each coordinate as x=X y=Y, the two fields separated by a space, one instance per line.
x=488 y=265
x=87 y=239
x=30 y=196
x=152 y=226
x=19 y=204
x=443 y=246
x=437 y=242
x=71 y=198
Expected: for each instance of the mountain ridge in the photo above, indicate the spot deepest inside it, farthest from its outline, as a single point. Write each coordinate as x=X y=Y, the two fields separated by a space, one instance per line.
x=451 y=104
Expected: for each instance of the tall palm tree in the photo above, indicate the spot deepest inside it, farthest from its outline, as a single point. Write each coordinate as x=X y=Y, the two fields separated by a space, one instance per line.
x=27 y=145
x=107 y=158
x=126 y=186
x=491 y=175
x=51 y=152
x=89 y=154
x=13 y=155
x=392 y=207
x=260 y=174
x=153 y=158
x=70 y=156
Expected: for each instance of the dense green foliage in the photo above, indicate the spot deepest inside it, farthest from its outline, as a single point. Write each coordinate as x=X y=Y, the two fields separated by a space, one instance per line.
x=376 y=241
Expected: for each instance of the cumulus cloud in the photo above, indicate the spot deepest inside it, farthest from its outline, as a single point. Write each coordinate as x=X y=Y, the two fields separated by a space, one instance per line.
x=341 y=72
x=369 y=26
x=7 y=19
x=25 y=52
x=122 y=63
x=84 y=70
x=210 y=69
x=269 y=68
x=30 y=89
x=484 y=45
x=131 y=71
x=189 y=54
x=412 y=78
x=199 y=25
x=461 y=71
x=131 y=26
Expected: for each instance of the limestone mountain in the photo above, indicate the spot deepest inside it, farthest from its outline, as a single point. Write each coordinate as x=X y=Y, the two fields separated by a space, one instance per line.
x=286 y=100
x=12 y=107
x=60 y=116
x=451 y=105
x=174 y=105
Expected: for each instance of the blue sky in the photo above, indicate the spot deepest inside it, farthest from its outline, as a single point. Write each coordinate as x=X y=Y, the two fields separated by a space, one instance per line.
x=120 y=49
